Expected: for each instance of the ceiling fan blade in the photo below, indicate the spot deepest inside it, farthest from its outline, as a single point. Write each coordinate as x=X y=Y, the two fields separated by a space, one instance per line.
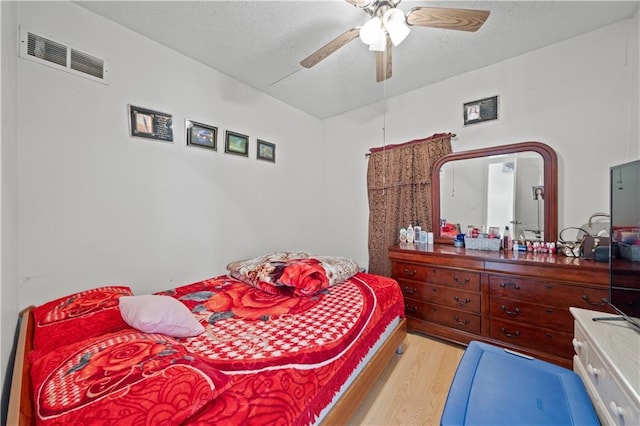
x=383 y=63
x=330 y=47
x=451 y=19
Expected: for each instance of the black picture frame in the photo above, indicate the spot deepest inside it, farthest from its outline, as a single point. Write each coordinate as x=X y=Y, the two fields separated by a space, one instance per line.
x=201 y=135
x=481 y=110
x=266 y=151
x=150 y=124
x=236 y=143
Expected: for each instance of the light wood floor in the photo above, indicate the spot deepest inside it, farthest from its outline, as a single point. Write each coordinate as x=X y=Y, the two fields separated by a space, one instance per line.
x=413 y=388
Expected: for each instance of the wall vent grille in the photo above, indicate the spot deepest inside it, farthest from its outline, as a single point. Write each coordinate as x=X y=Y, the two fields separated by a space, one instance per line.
x=88 y=64
x=49 y=51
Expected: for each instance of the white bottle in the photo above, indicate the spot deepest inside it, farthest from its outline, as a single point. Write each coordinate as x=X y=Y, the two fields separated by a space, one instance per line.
x=410 y=234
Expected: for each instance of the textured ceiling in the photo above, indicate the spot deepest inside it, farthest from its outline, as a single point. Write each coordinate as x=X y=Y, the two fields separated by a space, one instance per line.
x=261 y=43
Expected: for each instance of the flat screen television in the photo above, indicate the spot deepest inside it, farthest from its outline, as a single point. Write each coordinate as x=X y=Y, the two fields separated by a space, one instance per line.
x=624 y=263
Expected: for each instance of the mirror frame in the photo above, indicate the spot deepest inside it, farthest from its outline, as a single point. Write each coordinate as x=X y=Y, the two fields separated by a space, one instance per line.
x=550 y=173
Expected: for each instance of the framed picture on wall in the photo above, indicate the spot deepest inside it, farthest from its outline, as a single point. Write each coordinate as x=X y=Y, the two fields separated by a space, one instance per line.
x=266 y=151
x=538 y=193
x=236 y=143
x=150 y=124
x=480 y=110
x=201 y=135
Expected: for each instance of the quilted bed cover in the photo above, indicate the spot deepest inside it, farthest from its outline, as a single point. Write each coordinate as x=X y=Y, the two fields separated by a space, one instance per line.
x=263 y=359
x=286 y=357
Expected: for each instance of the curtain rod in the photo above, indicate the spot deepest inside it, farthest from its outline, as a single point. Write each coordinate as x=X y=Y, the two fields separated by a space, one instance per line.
x=452 y=135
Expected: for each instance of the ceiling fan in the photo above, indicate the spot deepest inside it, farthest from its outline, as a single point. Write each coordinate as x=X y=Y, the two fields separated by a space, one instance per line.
x=389 y=26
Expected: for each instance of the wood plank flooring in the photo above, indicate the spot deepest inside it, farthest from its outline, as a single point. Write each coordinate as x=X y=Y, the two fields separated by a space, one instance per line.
x=413 y=388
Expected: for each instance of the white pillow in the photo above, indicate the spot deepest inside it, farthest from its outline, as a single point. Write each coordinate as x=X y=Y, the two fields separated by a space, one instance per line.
x=152 y=313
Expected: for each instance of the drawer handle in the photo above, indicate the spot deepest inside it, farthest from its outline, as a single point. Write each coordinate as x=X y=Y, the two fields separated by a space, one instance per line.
x=410 y=309
x=465 y=322
x=586 y=299
x=410 y=273
x=515 y=312
x=617 y=410
x=460 y=280
x=410 y=290
x=509 y=284
x=462 y=302
x=577 y=345
x=592 y=370
x=506 y=333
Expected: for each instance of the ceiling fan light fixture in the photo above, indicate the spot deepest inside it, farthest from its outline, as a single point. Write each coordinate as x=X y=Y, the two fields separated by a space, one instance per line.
x=395 y=24
x=380 y=43
x=389 y=26
x=370 y=31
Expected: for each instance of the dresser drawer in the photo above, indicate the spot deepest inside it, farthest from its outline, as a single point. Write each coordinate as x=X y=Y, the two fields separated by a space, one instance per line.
x=439 y=295
x=618 y=405
x=580 y=346
x=456 y=278
x=607 y=361
x=445 y=316
x=547 y=293
x=532 y=336
x=464 y=280
x=409 y=271
x=553 y=317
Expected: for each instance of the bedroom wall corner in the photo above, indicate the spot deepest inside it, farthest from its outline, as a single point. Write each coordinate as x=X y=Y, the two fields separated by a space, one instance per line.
x=348 y=138
x=9 y=290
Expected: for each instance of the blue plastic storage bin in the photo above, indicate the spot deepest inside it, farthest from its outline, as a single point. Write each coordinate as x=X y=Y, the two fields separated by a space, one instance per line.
x=494 y=386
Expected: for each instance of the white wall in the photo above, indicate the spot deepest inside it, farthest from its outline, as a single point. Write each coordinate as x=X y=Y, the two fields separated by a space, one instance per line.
x=9 y=298
x=98 y=207
x=576 y=96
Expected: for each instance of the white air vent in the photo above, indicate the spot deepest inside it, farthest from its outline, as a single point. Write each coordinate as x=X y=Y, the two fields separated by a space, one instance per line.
x=48 y=51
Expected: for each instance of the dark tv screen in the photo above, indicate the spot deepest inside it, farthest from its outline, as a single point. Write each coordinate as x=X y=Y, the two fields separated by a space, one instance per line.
x=625 y=241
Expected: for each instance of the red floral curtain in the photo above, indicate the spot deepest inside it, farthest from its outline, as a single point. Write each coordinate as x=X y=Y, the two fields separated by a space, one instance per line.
x=399 y=190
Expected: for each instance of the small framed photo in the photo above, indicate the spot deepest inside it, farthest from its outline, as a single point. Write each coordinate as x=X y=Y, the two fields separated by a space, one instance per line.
x=480 y=110
x=538 y=193
x=266 y=151
x=236 y=143
x=202 y=135
x=149 y=124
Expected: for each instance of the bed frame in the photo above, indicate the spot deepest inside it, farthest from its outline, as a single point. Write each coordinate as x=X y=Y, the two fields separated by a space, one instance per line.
x=21 y=410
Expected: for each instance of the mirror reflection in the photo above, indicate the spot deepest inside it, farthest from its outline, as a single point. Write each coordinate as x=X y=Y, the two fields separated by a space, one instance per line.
x=495 y=191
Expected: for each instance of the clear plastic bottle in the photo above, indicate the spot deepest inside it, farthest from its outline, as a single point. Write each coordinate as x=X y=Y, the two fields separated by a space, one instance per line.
x=410 y=234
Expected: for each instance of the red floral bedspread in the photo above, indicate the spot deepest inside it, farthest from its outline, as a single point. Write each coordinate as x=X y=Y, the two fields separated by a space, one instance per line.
x=264 y=359
x=286 y=356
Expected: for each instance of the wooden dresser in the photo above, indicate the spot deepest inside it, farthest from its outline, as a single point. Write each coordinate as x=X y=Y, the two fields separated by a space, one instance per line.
x=517 y=300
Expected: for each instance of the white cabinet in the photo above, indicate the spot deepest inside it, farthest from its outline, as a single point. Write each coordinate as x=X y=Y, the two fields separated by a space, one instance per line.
x=607 y=358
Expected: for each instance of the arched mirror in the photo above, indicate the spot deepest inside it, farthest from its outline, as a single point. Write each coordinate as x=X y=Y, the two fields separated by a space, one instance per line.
x=510 y=185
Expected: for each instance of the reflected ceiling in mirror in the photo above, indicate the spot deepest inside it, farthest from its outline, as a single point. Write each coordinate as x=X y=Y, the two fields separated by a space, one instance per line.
x=510 y=185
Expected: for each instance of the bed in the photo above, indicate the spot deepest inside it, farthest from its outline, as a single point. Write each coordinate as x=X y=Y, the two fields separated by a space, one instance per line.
x=269 y=353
